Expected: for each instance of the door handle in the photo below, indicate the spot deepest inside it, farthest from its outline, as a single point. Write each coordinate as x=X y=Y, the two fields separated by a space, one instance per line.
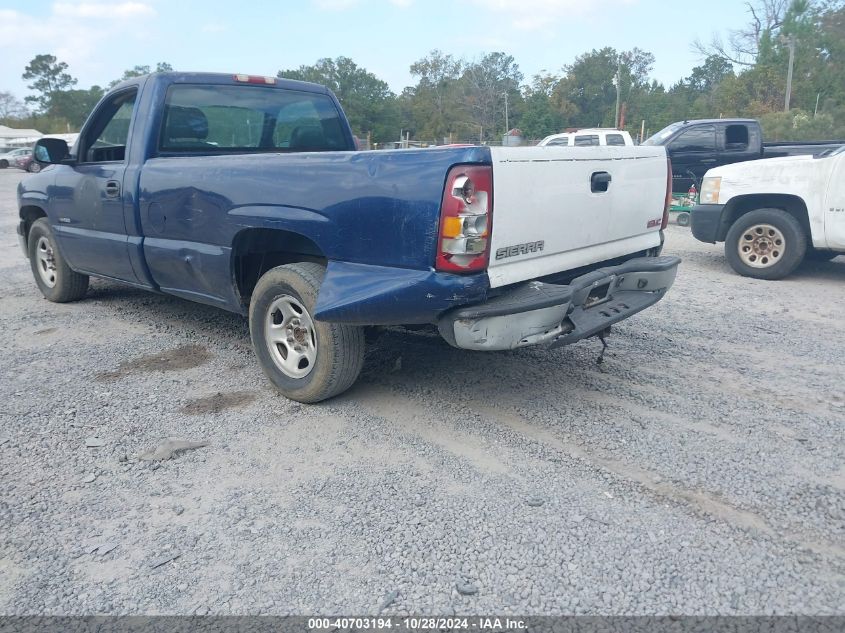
x=599 y=181
x=112 y=189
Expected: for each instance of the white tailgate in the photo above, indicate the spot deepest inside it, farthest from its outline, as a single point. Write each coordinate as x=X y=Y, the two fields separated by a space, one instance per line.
x=543 y=193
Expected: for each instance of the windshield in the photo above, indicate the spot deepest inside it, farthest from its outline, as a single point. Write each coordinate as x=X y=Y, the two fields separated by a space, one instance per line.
x=662 y=135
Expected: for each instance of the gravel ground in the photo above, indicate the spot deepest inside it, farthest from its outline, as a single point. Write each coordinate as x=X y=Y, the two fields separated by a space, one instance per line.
x=698 y=471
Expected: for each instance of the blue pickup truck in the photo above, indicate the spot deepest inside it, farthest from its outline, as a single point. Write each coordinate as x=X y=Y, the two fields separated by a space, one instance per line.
x=247 y=193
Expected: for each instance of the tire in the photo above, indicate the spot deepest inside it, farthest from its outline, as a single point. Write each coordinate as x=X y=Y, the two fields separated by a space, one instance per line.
x=682 y=219
x=54 y=278
x=310 y=360
x=4 y=163
x=33 y=167
x=765 y=244
x=817 y=255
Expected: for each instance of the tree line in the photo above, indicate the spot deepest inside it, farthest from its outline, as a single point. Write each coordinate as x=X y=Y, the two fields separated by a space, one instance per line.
x=460 y=100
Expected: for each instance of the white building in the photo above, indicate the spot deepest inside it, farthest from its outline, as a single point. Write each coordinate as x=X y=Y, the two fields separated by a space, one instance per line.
x=14 y=137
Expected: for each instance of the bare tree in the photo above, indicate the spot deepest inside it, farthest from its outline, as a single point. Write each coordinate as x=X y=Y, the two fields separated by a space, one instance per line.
x=11 y=107
x=743 y=45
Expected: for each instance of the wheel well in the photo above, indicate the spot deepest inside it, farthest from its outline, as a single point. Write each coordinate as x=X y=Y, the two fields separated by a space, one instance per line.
x=30 y=214
x=255 y=251
x=741 y=205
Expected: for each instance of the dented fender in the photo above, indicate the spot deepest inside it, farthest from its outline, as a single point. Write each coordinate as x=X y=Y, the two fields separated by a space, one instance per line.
x=364 y=294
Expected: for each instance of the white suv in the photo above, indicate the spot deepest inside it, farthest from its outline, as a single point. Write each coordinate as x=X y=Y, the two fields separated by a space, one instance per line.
x=588 y=137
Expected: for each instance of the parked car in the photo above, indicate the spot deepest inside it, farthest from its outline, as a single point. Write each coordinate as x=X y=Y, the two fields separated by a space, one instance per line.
x=10 y=158
x=772 y=214
x=247 y=193
x=588 y=137
x=696 y=146
x=27 y=163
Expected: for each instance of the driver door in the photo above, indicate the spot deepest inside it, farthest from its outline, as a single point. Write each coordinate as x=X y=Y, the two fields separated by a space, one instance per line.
x=88 y=197
x=692 y=152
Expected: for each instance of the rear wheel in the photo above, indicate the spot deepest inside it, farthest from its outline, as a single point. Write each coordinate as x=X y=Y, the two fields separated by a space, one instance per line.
x=765 y=244
x=34 y=167
x=4 y=163
x=307 y=360
x=55 y=279
x=682 y=219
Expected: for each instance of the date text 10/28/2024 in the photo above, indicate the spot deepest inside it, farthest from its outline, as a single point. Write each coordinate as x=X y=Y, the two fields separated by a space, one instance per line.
x=486 y=624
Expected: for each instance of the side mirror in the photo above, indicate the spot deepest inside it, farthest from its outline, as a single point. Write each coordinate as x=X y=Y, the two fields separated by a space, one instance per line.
x=50 y=151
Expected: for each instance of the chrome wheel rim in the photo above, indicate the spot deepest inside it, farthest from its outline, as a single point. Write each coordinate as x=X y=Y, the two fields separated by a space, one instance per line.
x=290 y=336
x=761 y=246
x=45 y=261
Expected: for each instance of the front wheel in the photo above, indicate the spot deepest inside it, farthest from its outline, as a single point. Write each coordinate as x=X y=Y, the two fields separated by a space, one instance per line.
x=307 y=360
x=4 y=163
x=33 y=167
x=55 y=279
x=765 y=244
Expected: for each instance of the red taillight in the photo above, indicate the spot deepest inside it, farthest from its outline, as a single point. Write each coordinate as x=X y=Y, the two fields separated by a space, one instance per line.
x=466 y=220
x=668 y=202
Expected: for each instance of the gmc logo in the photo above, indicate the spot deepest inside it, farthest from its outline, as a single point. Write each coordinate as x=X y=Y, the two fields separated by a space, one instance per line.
x=520 y=249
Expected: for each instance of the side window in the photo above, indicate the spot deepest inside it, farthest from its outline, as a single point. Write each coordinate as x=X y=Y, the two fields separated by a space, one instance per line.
x=106 y=138
x=614 y=139
x=736 y=138
x=586 y=139
x=701 y=138
x=245 y=119
x=558 y=141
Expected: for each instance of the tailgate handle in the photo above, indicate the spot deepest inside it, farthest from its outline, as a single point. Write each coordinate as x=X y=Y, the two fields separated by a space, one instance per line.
x=599 y=181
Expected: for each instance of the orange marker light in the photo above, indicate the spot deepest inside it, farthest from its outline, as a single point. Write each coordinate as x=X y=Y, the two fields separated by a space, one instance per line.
x=452 y=226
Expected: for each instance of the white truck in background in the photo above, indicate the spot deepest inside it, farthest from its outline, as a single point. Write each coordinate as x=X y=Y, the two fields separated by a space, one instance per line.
x=588 y=137
x=773 y=213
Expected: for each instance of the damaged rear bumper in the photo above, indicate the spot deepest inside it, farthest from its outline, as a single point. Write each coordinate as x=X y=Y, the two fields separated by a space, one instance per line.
x=537 y=313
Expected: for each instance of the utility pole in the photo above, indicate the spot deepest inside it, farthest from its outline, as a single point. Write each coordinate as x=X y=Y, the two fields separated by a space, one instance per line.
x=791 y=43
x=616 y=81
x=507 y=127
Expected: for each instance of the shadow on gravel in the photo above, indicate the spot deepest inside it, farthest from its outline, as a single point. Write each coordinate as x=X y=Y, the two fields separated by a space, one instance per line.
x=157 y=309
x=108 y=292
x=833 y=270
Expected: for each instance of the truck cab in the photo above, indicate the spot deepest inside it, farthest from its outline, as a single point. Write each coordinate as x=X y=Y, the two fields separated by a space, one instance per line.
x=588 y=137
x=696 y=146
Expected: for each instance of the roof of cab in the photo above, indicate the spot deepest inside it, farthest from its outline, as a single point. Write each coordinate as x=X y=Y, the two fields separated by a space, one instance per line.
x=691 y=121
x=222 y=79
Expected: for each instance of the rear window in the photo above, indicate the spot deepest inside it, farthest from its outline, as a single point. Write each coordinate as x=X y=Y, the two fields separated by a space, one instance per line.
x=736 y=137
x=614 y=139
x=231 y=119
x=587 y=139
